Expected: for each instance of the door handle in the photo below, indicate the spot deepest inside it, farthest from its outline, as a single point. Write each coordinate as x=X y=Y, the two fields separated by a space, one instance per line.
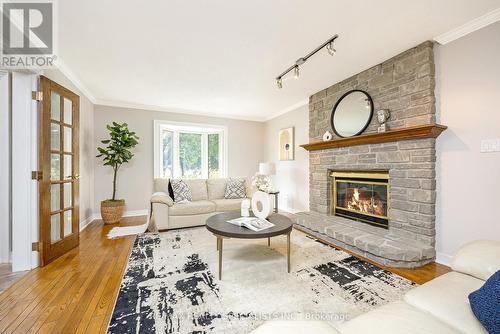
x=73 y=177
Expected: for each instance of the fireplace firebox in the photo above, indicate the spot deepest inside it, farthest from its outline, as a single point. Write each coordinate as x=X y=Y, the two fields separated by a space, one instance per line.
x=361 y=196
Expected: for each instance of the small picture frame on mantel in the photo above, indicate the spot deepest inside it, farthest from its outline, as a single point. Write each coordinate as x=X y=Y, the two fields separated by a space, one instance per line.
x=286 y=144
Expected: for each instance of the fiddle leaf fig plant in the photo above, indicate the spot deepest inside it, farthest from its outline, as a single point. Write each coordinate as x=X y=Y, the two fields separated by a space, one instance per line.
x=118 y=149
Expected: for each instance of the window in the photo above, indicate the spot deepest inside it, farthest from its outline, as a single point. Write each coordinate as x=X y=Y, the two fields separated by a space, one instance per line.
x=190 y=151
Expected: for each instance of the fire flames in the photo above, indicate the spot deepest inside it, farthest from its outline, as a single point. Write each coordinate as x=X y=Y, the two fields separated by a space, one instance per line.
x=370 y=205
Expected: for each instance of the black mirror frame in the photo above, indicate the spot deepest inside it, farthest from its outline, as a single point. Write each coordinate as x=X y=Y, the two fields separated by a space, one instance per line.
x=340 y=100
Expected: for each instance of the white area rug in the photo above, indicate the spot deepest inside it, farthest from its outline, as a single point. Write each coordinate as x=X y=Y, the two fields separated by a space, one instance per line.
x=171 y=285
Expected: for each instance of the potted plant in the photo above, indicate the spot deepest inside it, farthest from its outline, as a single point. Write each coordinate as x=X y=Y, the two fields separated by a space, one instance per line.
x=116 y=152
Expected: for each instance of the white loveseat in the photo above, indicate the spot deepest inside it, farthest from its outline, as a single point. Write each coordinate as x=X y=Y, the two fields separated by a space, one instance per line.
x=207 y=200
x=439 y=306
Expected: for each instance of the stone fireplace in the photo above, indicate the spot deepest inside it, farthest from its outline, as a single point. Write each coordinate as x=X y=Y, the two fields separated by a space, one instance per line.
x=377 y=198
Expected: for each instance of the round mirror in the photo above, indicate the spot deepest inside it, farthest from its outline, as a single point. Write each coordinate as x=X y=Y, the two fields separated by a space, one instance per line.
x=352 y=113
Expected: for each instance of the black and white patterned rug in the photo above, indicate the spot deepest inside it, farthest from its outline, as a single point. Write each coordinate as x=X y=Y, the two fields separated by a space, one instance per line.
x=171 y=285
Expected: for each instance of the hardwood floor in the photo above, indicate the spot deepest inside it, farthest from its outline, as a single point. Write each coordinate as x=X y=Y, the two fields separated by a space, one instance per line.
x=7 y=277
x=76 y=293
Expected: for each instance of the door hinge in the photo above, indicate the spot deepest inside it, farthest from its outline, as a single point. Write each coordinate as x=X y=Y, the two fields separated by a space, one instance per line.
x=37 y=96
x=36 y=175
x=35 y=246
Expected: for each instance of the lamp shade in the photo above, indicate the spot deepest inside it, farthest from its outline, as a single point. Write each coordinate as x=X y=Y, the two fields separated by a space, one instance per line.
x=267 y=168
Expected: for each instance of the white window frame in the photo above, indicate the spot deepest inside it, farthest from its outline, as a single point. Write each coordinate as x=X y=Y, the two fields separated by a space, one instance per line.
x=196 y=128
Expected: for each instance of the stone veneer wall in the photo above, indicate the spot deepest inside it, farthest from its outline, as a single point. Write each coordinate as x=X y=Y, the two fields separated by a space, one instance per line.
x=403 y=84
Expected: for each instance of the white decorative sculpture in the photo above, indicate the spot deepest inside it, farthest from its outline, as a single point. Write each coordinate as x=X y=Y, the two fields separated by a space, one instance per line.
x=327 y=136
x=261 y=204
x=245 y=208
x=382 y=117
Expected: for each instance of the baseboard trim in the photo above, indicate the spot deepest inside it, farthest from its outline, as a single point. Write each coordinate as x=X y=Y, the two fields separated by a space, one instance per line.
x=136 y=213
x=86 y=222
x=444 y=259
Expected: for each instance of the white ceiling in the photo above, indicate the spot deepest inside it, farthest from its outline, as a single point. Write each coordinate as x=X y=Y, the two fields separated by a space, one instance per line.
x=220 y=57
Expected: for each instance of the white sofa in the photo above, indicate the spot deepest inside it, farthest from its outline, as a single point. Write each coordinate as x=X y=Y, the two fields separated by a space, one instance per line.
x=207 y=200
x=439 y=306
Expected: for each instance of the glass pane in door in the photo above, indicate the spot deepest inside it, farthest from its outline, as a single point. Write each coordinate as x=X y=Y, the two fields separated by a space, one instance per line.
x=55 y=137
x=55 y=197
x=68 y=190
x=68 y=170
x=190 y=155
x=68 y=111
x=55 y=227
x=55 y=106
x=67 y=223
x=55 y=167
x=68 y=139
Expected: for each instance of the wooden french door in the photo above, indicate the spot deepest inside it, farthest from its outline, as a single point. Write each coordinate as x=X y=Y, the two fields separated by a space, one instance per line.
x=58 y=163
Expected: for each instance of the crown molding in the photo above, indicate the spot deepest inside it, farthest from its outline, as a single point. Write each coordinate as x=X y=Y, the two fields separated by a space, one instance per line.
x=61 y=66
x=299 y=104
x=469 y=27
x=138 y=106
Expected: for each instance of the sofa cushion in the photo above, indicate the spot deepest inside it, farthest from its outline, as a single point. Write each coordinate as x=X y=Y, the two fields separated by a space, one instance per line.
x=182 y=192
x=485 y=303
x=216 y=188
x=192 y=208
x=295 y=327
x=396 y=318
x=235 y=188
x=198 y=189
x=480 y=259
x=446 y=298
x=222 y=205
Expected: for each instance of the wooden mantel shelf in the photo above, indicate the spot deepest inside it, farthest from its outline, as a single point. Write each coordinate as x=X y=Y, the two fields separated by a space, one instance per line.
x=414 y=132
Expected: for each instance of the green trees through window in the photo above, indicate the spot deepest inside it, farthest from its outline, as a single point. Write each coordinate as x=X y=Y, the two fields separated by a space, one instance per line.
x=184 y=151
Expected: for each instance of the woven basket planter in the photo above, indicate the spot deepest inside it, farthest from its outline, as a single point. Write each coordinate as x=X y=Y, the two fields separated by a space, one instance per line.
x=112 y=211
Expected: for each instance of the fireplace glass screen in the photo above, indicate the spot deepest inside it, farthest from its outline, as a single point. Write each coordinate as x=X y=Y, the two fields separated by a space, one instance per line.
x=361 y=196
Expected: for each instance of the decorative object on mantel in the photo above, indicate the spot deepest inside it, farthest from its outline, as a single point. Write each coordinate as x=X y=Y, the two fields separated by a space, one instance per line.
x=327 y=136
x=295 y=67
x=118 y=151
x=286 y=144
x=261 y=204
x=352 y=113
x=410 y=133
x=382 y=117
x=245 y=208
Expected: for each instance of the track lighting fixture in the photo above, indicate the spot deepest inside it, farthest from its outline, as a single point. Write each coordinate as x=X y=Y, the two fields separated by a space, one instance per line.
x=331 y=50
x=295 y=67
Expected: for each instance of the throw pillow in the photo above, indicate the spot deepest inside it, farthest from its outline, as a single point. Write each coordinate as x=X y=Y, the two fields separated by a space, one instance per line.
x=182 y=193
x=235 y=188
x=485 y=303
x=171 y=190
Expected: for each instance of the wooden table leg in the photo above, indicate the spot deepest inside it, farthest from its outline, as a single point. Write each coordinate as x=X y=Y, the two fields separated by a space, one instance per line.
x=288 y=251
x=219 y=243
x=268 y=242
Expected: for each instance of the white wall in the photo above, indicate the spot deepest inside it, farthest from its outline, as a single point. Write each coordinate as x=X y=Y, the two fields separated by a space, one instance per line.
x=292 y=177
x=135 y=179
x=468 y=93
x=87 y=150
x=5 y=241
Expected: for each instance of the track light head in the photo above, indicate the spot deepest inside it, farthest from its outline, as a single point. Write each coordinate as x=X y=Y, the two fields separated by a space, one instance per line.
x=331 y=49
x=296 y=72
x=279 y=82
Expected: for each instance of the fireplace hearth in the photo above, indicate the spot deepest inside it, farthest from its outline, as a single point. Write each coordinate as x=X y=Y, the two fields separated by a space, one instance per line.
x=361 y=196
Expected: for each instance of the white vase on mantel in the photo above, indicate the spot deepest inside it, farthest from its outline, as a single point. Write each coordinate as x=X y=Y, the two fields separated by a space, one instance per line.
x=327 y=136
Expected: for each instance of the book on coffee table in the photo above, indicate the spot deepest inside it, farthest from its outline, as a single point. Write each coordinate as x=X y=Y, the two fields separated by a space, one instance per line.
x=252 y=223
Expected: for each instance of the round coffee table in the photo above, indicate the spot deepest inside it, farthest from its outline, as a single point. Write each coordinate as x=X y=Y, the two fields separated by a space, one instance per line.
x=218 y=225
